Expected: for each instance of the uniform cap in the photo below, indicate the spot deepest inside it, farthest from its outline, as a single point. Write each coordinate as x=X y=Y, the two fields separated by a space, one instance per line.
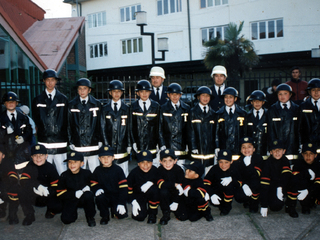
x=219 y=70
x=195 y=166
x=116 y=85
x=144 y=85
x=174 y=88
x=225 y=154
x=144 y=155
x=75 y=156
x=167 y=153
x=246 y=140
x=276 y=144
x=38 y=149
x=10 y=96
x=313 y=83
x=258 y=95
x=309 y=147
x=25 y=109
x=84 y=82
x=284 y=87
x=202 y=90
x=50 y=73
x=106 y=151
x=157 y=71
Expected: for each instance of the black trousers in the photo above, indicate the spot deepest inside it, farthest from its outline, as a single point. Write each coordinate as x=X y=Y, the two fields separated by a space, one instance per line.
x=196 y=208
x=52 y=202
x=167 y=197
x=104 y=202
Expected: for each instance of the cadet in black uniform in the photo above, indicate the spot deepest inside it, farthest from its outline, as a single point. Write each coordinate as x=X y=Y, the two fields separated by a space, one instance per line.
x=306 y=172
x=249 y=168
x=201 y=125
x=39 y=181
x=219 y=75
x=74 y=191
x=222 y=181
x=158 y=92
x=257 y=123
x=173 y=132
x=277 y=182
x=145 y=121
x=196 y=196
x=115 y=125
x=310 y=115
x=170 y=185
x=283 y=122
x=110 y=187
x=143 y=189
x=231 y=123
x=50 y=113
x=84 y=127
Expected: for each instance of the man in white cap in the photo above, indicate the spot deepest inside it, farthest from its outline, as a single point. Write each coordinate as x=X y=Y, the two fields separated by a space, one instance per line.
x=219 y=75
x=159 y=91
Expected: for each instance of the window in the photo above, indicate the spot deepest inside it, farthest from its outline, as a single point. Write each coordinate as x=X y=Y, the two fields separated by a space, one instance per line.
x=168 y=6
x=98 y=50
x=132 y=45
x=267 y=29
x=97 y=19
x=212 y=3
x=129 y=13
x=213 y=32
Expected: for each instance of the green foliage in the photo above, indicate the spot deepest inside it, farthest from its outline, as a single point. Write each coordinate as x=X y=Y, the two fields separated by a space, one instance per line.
x=235 y=52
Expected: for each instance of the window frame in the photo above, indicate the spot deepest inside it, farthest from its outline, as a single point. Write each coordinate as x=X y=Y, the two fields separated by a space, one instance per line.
x=98 y=19
x=209 y=29
x=126 y=14
x=96 y=48
x=212 y=3
x=131 y=46
x=273 y=29
x=165 y=7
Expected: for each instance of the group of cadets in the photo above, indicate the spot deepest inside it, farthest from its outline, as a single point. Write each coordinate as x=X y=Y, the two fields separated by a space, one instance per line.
x=251 y=157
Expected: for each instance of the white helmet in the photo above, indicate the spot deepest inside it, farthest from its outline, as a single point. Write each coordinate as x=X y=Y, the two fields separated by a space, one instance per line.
x=157 y=71
x=25 y=109
x=219 y=70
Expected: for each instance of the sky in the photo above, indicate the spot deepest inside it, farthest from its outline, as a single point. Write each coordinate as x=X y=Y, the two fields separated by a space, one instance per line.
x=54 y=8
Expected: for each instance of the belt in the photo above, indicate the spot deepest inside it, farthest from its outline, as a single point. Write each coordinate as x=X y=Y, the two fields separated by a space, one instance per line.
x=54 y=145
x=291 y=157
x=21 y=165
x=153 y=151
x=205 y=157
x=235 y=157
x=120 y=155
x=86 y=149
x=179 y=153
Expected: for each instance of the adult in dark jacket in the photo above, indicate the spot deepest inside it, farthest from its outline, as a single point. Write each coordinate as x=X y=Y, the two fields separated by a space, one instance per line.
x=219 y=75
x=158 y=92
x=50 y=114
x=298 y=86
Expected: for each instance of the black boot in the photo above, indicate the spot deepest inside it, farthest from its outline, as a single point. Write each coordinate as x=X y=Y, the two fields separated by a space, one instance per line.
x=152 y=218
x=305 y=210
x=104 y=221
x=292 y=212
x=165 y=218
x=207 y=215
x=91 y=222
x=49 y=214
x=29 y=219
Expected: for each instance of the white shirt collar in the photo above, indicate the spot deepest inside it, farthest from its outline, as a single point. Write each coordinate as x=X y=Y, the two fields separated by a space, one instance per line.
x=53 y=93
x=148 y=103
x=233 y=107
x=261 y=111
x=10 y=116
x=174 y=105
x=222 y=87
x=118 y=104
x=86 y=99
x=202 y=107
x=160 y=90
x=288 y=105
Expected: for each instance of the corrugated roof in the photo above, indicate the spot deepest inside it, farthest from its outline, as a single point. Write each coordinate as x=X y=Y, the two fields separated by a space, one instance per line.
x=52 y=39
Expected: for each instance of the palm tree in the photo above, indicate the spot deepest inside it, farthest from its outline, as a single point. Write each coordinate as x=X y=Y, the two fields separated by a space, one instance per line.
x=235 y=52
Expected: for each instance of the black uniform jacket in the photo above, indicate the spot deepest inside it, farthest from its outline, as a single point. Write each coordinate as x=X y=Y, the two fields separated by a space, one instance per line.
x=163 y=97
x=18 y=153
x=216 y=102
x=258 y=131
x=84 y=127
x=230 y=130
x=168 y=178
x=51 y=119
x=113 y=182
x=309 y=123
x=173 y=132
x=197 y=188
x=283 y=125
x=201 y=131
x=145 y=126
x=116 y=130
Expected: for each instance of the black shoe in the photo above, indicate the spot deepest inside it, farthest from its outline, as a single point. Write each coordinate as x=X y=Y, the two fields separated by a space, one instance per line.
x=28 y=220
x=152 y=219
x=165 y=218
x=305 y=210
x=209 y=217
x=49 y=214
x=224 y=212
x=91 y=222
x=245 y=204
x=13 y=220
x=104 y=221
x=253 y=209
x=292 y=212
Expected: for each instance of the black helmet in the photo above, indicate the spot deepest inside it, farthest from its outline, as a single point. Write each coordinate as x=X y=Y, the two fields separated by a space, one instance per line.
x=174 y=88
x=284 y=87
x=50 y=73
x=84 y=82
x=313 y=83
x=116 y=85
x=10 y=96
x=231 y=91
x=144 y=85
x=203 y=89
x=258 y=95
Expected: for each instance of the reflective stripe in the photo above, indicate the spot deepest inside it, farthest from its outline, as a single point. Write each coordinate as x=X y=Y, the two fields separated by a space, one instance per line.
x=265 y=157
x=151 y=115
x=21 y=165
x=41 y=105
x=197 y=156
x=290 y=157
x=86 y=149
x=184 y=114
x=295 y=118
x=108 y=117
x=137 y=113
x=179 y=153
x=235 y=157
x=212 y=121
x=53 y=145
x=124 y=116
x=60 y=105
x=74 y=110
x=153 y=151
x=250 y=124
x=23 y=125
x=94 y=109
x=265 y=124
x=167 y=114
x=120 y=155
x=318 y=150
x=276 y=119
x=221 y=120
x=196 y=121
x=307 y=111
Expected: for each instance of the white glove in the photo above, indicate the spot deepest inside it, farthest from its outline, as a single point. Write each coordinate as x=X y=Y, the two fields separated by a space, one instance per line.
x=179 y=187
x=71 y=146
x=86 y=188
x=279 y=193
x=312 y=174
x=145 y=187
x=215 y=199
x=1 y=201
x=135 y=147
x=247 y=160
x=135 y=208
x=206 y=197
x=99 y=192
x=129 y=150
x=226 y=181
x=264 y=212
x=121 y=209
x=163 y=147
x=247 y=191
x=79 y=194
x=36 y=191
x=43 y=190
x=19 y=140
x=195 y=151
x=216 y=151
x=9 y=130
x=174 y=206
x=100 y=144
x=302 y=194
x=185 y=192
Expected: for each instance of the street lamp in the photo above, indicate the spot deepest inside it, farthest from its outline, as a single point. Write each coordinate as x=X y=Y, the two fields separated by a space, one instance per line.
x=141 y=20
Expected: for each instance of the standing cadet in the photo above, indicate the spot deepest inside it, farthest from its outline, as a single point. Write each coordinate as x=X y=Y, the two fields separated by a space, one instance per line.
x=84 y=128
x=173 y=123
x=219 y=75
x=115 y=125
x=145 y=121
x=158 y=92
x=50 y=113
